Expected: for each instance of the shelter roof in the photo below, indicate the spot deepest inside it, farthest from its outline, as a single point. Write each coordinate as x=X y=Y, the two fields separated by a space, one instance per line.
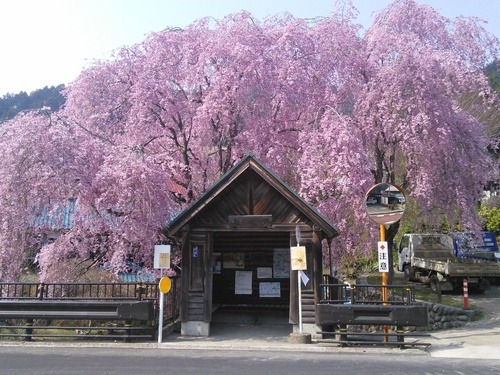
x=237 y=173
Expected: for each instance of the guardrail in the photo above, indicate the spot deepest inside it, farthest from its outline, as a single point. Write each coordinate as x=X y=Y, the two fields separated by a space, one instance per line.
x=118 y=303
x=79 y=291
x=343 y=305
x=367 y=294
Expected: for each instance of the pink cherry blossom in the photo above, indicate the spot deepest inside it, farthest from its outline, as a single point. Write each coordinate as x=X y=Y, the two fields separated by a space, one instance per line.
x=330 y=110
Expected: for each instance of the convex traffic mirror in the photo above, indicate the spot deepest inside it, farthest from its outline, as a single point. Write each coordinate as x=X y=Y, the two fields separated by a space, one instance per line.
x=385 y=203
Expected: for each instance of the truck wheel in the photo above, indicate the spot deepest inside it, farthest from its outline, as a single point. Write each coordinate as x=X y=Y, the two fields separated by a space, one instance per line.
x=409 y=272
x=480 y=288
x=434 y=284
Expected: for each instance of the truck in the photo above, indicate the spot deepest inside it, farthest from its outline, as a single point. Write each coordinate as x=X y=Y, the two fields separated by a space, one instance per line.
x=434 y=259
x=476 y=246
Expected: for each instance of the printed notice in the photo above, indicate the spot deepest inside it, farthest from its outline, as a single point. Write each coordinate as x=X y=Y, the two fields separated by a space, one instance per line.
x=243 y=282
x=270 y=289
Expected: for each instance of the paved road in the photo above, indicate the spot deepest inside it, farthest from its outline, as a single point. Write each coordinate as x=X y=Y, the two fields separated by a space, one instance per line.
x=161 y=360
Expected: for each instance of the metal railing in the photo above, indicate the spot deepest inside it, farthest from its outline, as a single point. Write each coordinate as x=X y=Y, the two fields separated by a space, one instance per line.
x=366 y=294
x=19 y=291
x=79 y=291
x=93 y=292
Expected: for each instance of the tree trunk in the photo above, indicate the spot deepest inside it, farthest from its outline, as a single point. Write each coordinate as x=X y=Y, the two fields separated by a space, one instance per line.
x=390 y=233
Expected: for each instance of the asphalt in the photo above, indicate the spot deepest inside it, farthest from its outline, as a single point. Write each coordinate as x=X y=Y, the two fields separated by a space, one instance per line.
x=479 y=340
x=467 y=342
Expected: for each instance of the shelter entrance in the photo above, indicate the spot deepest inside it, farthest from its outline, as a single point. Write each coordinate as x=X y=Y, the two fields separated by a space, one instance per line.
x=251 y=277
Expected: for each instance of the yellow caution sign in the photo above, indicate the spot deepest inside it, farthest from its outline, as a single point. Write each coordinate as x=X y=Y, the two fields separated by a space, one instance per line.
x=165 y=284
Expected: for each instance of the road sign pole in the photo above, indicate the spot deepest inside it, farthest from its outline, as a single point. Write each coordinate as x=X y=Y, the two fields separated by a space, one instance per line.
x=384 y=274
x=385 y=204
x=163 y=287
x=384 y=281
x=299 y=289
x=160 y=318
x=299 y=263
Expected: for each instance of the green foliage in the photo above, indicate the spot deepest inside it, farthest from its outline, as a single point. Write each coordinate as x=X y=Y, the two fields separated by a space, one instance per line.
x=12 y=104
x=412 y=221
x=490 y=211
x=492 y=71
x=353 y=266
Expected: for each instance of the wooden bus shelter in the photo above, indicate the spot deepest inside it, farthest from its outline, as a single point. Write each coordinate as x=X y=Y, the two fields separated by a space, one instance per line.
x=236 y=241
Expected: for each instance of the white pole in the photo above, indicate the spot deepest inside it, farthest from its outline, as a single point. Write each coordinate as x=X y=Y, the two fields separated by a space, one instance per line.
x=160 y=319
x=300 y=301
x=299 y=287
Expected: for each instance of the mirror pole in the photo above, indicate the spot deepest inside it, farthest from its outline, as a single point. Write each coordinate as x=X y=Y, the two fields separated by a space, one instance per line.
x=384 y=282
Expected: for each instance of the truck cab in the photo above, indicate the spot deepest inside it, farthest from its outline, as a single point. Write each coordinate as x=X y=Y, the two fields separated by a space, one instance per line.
x=404 y=252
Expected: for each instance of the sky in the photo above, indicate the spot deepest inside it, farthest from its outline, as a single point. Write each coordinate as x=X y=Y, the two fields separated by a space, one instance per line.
x=50 y=42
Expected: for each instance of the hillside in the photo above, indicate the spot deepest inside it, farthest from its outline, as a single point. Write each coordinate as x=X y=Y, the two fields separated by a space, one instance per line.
x=12 y=104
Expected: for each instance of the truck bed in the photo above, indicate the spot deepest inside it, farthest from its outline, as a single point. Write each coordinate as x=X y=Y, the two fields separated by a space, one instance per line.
x=457 y=267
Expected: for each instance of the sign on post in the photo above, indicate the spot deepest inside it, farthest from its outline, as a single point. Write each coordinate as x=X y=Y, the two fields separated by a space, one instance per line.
x=298 y=258
x=162 y=257
x=161 y=261
x=298 y=262
x=383 y=257
x=164 y=286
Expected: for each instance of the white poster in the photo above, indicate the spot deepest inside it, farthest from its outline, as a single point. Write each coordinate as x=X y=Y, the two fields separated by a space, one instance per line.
x=270 y=289
x=243 y=282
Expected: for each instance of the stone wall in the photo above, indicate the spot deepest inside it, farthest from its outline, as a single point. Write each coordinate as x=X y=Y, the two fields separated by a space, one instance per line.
x=446 y=317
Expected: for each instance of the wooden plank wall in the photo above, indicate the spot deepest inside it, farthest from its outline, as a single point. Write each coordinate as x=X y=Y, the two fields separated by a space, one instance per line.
x=193 y=305
x=196 y=306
